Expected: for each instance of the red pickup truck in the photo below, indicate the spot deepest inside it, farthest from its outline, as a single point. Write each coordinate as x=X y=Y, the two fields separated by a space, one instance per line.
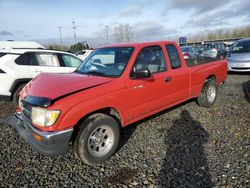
x=114 y=87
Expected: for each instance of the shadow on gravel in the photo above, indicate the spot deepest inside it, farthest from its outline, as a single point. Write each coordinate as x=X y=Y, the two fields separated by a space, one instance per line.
x=185 y=164
x=246 y=90
x=128 y=131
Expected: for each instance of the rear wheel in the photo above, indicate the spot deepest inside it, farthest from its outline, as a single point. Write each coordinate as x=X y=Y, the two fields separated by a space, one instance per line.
x=97 y=139
x=208 y=94
x=16 y=94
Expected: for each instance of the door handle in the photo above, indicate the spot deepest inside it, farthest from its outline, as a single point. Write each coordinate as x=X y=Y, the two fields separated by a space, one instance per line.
x=138 y=86
x=168 y=79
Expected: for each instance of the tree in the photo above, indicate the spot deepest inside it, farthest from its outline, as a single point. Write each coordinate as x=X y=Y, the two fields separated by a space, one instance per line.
x=223 y=34
x=79 y=46
x=123 y=33
x=57 y=47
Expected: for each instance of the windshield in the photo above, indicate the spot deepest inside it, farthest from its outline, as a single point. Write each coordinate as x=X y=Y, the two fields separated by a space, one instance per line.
x=241 y=47
x=109 y=62
x=208 y=46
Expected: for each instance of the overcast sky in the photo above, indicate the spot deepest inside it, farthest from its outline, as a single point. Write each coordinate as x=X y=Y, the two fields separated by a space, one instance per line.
x=150 y=19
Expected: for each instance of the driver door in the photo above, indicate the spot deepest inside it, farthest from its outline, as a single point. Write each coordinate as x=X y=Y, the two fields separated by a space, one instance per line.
x=146 y=95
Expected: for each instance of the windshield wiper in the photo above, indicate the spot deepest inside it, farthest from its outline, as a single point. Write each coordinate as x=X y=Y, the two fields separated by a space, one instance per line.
x=97 y=73
x=78 y=71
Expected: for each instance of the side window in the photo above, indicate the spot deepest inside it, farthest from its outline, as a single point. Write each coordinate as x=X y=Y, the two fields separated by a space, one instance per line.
x=70 y=61
x=173 y=56
x=27 y=58
x=47 y=59
x=151 y=58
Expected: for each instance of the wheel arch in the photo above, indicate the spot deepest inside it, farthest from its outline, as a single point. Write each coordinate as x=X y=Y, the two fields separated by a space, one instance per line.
x=211 y=77
x=107 y=110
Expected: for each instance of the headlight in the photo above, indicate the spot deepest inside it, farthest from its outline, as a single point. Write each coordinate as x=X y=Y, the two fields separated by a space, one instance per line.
x=43 y=117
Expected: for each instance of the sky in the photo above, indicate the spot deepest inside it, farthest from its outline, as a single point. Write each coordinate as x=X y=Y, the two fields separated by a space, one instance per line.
x=150 y=20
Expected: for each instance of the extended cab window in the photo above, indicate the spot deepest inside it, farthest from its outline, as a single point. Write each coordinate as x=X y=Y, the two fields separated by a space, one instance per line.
x=173 y=56
x=151 y=58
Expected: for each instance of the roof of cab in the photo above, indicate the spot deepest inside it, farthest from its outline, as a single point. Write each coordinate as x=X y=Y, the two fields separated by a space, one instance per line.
x=139 y=44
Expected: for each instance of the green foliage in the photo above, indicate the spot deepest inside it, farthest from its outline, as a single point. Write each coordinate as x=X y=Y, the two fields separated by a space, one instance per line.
x=51 y=47
x=57 y=47
x=78 y=47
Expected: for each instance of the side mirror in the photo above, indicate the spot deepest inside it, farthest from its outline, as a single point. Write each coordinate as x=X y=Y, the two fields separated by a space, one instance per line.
x=142 y=73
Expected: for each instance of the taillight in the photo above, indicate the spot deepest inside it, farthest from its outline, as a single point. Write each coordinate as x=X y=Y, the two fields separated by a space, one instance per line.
x=186 y=54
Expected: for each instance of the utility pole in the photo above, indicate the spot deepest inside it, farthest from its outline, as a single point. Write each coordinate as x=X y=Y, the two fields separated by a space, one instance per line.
x=107 y=33
x=74 y=28
x=60 y=32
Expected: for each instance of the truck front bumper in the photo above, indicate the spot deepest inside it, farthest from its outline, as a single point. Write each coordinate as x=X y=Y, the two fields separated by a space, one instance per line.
x=46 y=143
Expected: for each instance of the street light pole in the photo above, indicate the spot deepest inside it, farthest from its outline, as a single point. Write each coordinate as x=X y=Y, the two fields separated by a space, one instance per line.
x=107 y=33
x=60 y=32
x=74 y=28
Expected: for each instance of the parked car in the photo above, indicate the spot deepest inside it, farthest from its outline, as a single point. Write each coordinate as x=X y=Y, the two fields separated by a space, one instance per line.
x=190 y=52
x=114 y=87
x=213 y=50
x=239 y=56
x=83 y=54
x=18 y=66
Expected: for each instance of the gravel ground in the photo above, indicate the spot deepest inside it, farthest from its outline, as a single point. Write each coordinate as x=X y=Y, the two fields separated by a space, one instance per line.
x=186 y=146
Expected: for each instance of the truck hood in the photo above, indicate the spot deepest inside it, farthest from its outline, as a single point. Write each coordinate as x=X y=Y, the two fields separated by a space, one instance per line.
x=52 y=86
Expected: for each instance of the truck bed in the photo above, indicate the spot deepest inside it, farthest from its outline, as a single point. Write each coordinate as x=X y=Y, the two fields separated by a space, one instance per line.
x=200 y=60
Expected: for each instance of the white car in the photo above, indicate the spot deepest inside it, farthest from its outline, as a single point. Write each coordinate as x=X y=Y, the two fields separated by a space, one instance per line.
x=19 y=65
x=84 y=54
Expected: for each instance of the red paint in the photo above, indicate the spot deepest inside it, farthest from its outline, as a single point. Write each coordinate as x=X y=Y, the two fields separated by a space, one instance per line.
x=133 y=103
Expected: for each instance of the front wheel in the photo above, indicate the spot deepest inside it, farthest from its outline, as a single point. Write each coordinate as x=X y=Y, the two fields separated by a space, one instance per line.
x=97 y=139
x=208 y=94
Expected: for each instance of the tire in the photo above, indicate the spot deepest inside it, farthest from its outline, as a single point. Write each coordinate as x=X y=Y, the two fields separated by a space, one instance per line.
x=97 y=140
x=208 y=94
x=16 y=94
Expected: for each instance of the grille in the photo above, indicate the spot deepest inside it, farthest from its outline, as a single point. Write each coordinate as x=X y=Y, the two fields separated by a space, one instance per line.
x=241 y=68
